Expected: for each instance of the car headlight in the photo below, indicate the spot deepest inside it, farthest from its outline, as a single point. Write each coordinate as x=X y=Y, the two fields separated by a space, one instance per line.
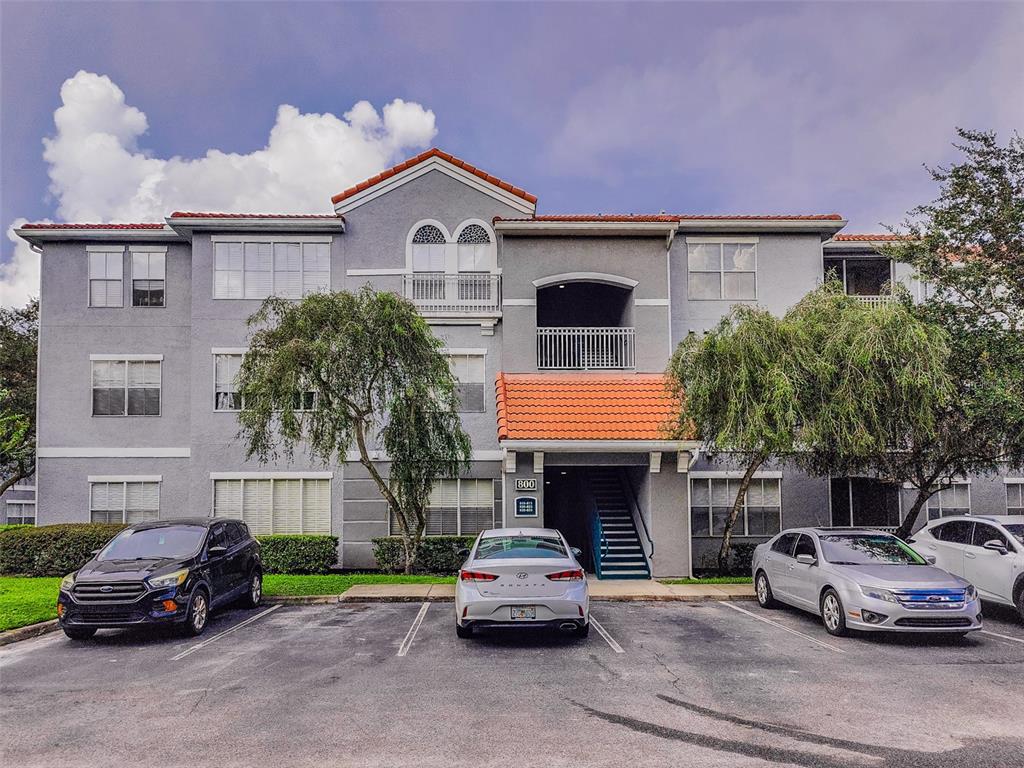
x=67 y=582
x=878 y=594
x=169 y=579
x=970 y=593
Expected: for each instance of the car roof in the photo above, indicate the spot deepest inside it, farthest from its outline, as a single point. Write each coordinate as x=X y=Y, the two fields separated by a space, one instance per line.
x=204 y=522
x=524 y=531
x=1001 y=519
x=836 y=529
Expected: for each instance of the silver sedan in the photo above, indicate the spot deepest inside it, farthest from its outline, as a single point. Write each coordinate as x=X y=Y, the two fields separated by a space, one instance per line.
x=862 y=579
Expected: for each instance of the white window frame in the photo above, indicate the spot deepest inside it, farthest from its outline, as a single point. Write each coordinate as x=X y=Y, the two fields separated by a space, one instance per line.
x=124 y=481
x=721 y=242
x=1017 y=482
x=236 y=352
x=448 y=251
x=242 y=477
x=478 y=352
x=148 y=250
x=271 y=240
x=107 y=250
x=937 y=497
x=458 y=504
x=22 y=503
x=126 y=359
x=707 y=477
x=492 y=248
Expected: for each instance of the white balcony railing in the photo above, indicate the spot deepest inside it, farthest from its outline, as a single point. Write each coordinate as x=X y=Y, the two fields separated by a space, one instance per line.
x=437 y=293
x=874 y=301
x=585 y=349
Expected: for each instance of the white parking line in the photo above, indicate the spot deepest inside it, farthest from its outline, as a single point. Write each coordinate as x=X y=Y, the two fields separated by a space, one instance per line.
x=1004 y=637
x=411 y=634
x=228 y=631
x=814 y=640
x=604 y=633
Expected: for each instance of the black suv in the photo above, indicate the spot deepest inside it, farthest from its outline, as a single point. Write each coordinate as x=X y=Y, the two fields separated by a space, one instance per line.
x=166 y=572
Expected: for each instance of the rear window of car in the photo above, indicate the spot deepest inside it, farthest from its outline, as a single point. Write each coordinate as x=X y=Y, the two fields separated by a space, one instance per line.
x=171 y=541
x=507 y=547
x=867 y=549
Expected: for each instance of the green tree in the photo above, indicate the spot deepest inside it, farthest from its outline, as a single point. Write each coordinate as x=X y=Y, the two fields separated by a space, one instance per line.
x=380 y=381
x=968 y=247
x=19 y=337
x=833 y=380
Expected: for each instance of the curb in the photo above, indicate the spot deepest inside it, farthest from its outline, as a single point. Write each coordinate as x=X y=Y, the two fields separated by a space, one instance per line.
x=26 y=633
x=329 y=599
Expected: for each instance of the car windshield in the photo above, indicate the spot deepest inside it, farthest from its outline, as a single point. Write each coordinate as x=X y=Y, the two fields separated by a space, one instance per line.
x=172 y=541
x=506 y=547
x=867 y=549
x=1016 y=530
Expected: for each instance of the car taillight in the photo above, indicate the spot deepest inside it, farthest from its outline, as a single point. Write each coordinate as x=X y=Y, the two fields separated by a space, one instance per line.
x=574 y=575
x=476 y=576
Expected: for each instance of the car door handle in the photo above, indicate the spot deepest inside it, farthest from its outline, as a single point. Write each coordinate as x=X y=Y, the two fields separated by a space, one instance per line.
x=969 y=556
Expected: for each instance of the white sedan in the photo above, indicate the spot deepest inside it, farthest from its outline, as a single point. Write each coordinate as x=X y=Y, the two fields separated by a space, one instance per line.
x=517 y=577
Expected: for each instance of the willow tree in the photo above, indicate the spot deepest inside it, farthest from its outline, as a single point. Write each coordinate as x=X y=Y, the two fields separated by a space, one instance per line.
x=379 y=382
x=19 y=337
x=834 y=382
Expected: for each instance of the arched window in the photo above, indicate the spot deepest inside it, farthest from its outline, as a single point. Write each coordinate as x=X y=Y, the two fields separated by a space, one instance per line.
x=474 y=249
x=428 y=249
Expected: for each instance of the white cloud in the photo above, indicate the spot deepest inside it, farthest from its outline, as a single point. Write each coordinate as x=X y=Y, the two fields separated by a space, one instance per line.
x=99 y=173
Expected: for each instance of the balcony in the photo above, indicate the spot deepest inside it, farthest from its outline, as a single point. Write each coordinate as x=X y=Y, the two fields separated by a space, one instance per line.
x=873 y=301
x=442 y=294
x=585 y=349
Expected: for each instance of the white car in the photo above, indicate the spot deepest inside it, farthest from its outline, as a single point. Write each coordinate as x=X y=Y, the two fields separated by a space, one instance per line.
x=987 y=550
x=517 y=577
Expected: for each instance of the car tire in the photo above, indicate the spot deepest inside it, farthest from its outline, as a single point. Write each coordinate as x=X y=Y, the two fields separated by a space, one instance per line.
x=198 y=614
x=833 y=615
x=463 y=632
x=254 y=592
x=763 y=591
x=79 y=633
x=583 y=630
x=1020 y=603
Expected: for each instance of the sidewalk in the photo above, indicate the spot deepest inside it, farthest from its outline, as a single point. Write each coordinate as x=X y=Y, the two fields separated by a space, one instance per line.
x=625 y=590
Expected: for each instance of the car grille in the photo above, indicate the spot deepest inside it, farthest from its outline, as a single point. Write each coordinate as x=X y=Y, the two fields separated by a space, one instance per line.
x=108 y=592
x=105 y=617
x=933 y=621
x=930 y=599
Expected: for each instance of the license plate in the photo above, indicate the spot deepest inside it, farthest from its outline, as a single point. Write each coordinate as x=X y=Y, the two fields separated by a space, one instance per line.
x=525 y=612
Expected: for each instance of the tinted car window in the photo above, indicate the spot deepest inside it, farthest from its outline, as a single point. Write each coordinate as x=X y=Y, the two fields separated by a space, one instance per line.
x=172 y=541
x=805 y=546
x=234 y=532
x=784 y=544
x=219 y=537
x=956 y=532
x=983 y=533
x=499 y=547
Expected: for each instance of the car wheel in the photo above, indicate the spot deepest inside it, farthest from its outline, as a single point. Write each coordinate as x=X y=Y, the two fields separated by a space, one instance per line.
x=763 y=590
x=79 y=633
x=198 y=614
x=833 y=615
x=463 y=632
x=254 y=594
x=583 y=630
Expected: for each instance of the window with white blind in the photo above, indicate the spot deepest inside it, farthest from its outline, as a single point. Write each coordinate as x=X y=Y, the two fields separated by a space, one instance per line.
x=275 y=504
x=256 y=269
x=474 y=243
x=954 y=500
x=1015 y=498
x=106 y=276
x=148 y=273
x=722 y=270
x=20 y=512
x=711 y=501
x=124 y=501
x=225 y=390
x=125 y=387
x=468 y=368
x=428 y=249
x=461 y=507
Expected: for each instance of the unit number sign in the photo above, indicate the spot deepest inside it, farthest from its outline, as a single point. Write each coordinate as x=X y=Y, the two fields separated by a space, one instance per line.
x=529 y=484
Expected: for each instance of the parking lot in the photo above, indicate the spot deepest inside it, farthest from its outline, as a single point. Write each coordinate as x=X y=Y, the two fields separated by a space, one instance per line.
x=710 y=684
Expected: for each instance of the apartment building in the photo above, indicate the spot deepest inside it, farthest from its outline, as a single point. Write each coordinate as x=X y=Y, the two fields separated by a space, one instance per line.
x=559 y=329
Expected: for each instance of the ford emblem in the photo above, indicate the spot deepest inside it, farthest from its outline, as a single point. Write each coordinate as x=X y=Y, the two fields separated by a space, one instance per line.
x=106 y=589
x=522 y=575
x=935 y=598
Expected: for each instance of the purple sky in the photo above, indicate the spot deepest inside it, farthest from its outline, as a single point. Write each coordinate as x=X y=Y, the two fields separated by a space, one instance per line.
x=730 y=107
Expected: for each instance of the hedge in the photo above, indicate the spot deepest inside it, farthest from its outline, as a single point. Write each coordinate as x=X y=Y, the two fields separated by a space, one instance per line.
x=298 y=554
x=9 y=526
x=51 y=550
x=438 y=554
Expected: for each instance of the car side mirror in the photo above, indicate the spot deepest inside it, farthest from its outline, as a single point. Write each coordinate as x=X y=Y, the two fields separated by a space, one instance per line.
x=216 y=551
x=463 y=553
x=930 y=559
x=996 y=546
x=806 y=559
x=576 y=552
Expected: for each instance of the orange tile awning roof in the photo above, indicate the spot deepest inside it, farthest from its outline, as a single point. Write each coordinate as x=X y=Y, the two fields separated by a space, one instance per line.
x=584 y=406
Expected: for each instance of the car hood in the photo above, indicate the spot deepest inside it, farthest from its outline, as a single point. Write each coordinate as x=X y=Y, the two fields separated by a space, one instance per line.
x=901 y=576
x=126 y=570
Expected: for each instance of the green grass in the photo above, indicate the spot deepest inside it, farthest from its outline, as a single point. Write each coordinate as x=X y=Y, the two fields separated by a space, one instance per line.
x=336 y=583
x=711 y=580
x=25 y=600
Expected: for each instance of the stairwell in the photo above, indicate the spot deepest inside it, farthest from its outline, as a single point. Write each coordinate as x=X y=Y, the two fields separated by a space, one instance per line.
x=620 y=554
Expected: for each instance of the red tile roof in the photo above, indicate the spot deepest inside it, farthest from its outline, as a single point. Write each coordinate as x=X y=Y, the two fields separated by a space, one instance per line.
x=868 y=238
x=49 y=225
x=584 y=406
x=208 y=215
x=767 y=217
x=422 y=157
x=611 y=217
